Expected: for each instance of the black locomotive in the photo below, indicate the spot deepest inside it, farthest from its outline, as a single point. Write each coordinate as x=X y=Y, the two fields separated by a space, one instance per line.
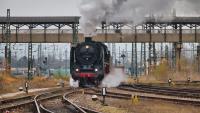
x=90 y=62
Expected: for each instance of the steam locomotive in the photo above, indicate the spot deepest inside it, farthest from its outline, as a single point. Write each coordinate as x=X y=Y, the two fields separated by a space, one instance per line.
x=89 y=62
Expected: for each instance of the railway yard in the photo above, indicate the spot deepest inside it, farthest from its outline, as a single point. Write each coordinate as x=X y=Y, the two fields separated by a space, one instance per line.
x=124 y=99
x=99 y=56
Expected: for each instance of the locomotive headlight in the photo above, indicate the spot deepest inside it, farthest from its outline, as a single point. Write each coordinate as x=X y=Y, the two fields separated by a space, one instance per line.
x=95 y=69
x=87 y=46
x=77 y=70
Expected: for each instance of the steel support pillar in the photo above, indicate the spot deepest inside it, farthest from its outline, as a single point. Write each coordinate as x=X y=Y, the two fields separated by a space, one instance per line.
x=193 y=53
x=119 y=57
x=105 y=32
x=59 y=26
x=145 y=66
x=198 y=58
x=141 y=58
x=2 y=32
x=173 y=57
x=178 y=49
x=165 y=34
x=132 y=63
x=75 y=34
x=166 y=52
x=150 y=58
x=195 y=33
x=126 y=54
x=8 y=45
x=154 y=55
x=30 y=56
x=136 y=65
x=136 y=60
x=39 y=59
x=149 y=30
x=66 y=62
x=161 y=51
x=132 y=54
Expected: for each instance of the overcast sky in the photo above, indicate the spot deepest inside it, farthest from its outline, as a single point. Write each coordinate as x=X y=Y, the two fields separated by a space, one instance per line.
x=40 y=7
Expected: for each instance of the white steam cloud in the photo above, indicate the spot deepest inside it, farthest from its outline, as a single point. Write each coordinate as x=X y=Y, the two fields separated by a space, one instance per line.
x=73 y=83
x=114 y=78
x=95 y=11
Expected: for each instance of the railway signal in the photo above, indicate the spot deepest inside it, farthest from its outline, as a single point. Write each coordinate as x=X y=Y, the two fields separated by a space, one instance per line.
x=104 y=91
x=26 y=87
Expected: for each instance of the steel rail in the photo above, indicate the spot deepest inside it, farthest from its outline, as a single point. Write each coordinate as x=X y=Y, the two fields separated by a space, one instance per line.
x=71 y=103
x=162 y=91
x=129 y=96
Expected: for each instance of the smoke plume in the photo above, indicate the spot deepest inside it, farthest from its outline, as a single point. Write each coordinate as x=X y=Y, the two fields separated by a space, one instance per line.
x=114 y=78
x=93 y=12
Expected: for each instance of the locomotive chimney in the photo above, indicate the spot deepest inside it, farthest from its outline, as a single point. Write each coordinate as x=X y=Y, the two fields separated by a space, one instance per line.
x=88 y=39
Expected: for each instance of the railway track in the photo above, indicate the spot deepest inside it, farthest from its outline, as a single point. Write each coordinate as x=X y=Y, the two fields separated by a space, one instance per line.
x=185 y=93
x=15 y=103
x=25 y=101
x=35 y=101
x=129 y=95
x=43 y=97
x=72 y=107
x=77 y=108
x=176 y=83
x=186 y=82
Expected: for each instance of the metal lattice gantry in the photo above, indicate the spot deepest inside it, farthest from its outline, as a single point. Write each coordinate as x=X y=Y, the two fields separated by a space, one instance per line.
x=6 y=23
x=44 y=22
x=177 y=31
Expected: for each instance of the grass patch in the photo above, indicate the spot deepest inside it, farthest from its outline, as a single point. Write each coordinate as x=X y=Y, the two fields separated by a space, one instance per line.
x=42 y=82
x=6 y=82
x=161 y=72
x=63 y=77
x=9 y=84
